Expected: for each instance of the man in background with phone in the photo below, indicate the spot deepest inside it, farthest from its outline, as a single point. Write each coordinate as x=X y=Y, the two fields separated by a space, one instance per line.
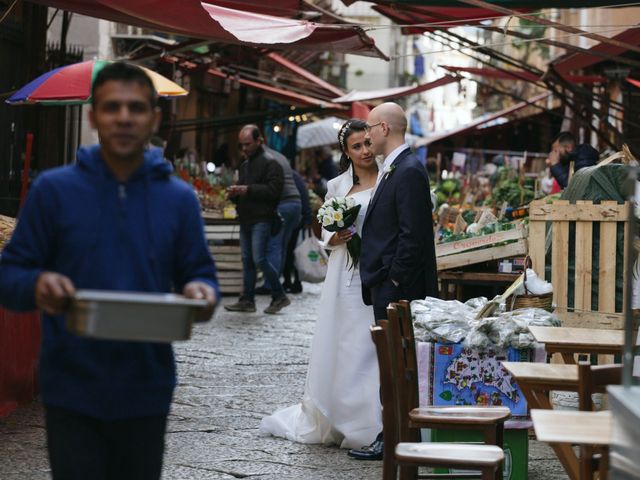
x=257 y=194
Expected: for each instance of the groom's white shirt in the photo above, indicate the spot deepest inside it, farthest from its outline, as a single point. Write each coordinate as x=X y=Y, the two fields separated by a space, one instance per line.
x=387 y=163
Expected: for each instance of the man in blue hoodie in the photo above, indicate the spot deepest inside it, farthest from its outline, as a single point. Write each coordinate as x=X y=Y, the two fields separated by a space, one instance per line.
x=115 y=220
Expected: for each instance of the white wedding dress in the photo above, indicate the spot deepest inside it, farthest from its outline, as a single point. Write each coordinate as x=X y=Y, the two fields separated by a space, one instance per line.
x=341 y=402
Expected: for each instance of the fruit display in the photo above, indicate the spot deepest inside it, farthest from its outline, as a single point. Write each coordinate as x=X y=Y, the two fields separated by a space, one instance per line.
x=448 y=234
x=448 y=191
x=210 y=188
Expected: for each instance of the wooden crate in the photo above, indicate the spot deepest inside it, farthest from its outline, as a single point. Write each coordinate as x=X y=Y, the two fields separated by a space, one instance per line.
x=559 y=216
x=223 y=238
x=462 y=252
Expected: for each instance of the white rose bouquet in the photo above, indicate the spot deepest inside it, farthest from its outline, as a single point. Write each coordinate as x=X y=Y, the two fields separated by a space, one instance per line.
x=340 y=213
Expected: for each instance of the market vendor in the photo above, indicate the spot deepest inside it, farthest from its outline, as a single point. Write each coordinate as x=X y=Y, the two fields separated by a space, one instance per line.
x=564 y=151
x=116 y=219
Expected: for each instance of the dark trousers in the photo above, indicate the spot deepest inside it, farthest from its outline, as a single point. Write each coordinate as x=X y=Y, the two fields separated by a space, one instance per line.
x=83 y=447
x=289 y=263
x=254 y=242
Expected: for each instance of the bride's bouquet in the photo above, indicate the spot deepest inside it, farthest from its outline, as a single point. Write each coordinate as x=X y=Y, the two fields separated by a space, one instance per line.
x=340 y=213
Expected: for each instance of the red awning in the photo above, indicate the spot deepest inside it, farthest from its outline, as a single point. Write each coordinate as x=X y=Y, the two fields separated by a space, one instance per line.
x=634 y=82
x=578 y=60
x=423 y=18
x=197 y=19
x=295 y=98
x=304 y=73
x=521 y=74
x=482 y=120
x=356 y=96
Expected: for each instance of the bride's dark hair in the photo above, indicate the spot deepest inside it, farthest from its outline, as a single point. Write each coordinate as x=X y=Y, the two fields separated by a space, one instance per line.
x=348 y=128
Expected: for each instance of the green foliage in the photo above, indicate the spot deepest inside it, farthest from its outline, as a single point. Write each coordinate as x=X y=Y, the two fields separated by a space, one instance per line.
x=507 y=189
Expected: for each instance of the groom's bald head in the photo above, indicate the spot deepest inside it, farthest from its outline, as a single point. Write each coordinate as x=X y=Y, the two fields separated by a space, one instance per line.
x=387 y=127
x=393 y=114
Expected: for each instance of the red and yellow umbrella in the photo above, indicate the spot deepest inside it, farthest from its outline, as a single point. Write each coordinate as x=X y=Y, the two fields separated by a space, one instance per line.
x=71 y=84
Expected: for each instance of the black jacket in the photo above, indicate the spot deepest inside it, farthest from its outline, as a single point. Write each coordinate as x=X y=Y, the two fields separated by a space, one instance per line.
x=397 y=237
x=582 y=156
x=264 y=177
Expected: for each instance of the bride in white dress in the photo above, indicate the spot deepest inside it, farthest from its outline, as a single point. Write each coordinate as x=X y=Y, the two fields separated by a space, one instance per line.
x=341 y=401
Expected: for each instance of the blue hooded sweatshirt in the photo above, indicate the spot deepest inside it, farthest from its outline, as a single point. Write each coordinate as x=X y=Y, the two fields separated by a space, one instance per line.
x=144 y=235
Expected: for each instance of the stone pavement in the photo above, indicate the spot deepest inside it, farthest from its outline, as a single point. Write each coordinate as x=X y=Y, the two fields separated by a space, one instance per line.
x=236 y=369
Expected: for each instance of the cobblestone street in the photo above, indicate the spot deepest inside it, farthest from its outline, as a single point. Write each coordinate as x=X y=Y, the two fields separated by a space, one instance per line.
x=235 y=370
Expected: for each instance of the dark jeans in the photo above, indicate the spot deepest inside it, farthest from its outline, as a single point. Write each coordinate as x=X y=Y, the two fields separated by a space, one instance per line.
x=83 y=447
x=289 y=260
x=254 y=241
x=291 y=213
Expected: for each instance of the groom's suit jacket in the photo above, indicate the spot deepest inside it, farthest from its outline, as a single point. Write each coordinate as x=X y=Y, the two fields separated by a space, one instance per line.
x=397 y=237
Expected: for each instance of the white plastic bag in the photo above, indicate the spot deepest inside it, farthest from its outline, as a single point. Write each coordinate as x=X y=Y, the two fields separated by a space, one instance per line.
x=311 y=260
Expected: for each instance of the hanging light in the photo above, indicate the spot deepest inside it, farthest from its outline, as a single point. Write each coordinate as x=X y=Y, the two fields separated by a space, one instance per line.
x=277 y=129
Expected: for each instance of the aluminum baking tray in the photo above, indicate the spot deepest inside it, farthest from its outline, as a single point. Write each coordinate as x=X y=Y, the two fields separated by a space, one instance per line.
x=115 y=315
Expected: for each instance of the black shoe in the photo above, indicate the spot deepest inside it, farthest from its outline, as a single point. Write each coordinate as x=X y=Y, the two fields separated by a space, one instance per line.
x=370 y=452
x=262 y=291
x=296 y=288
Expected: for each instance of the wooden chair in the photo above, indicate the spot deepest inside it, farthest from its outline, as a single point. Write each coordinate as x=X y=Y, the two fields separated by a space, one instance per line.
x=486 y=458
x=594 y=379
x=488 y=420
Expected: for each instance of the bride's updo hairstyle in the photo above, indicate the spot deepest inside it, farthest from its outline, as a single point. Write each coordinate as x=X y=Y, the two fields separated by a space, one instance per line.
x=349 y=127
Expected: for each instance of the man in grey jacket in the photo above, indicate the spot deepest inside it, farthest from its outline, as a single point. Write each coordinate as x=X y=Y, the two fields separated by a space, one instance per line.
x=257 y=195
x=290 y=209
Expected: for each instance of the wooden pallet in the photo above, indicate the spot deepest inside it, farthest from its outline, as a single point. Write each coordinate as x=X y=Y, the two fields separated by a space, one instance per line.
x=463 y=252
x=584 y=214
x=223 y=238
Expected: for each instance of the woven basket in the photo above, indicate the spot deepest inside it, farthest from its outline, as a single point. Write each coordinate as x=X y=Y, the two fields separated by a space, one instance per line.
x=529 y=300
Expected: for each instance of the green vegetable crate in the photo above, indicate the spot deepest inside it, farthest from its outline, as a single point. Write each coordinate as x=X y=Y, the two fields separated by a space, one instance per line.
x=516 y=450
x=484 y=248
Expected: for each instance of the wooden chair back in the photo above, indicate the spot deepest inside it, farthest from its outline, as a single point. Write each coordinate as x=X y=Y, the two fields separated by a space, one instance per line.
x=404 y=365
x=403 y=307
x=594 y=379
x=389 y=411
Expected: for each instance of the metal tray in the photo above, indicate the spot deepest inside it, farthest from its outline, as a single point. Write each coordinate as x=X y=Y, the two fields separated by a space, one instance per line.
x=115 y=315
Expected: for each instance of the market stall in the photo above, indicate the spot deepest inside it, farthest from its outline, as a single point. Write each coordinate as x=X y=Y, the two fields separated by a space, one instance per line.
x=481 y=228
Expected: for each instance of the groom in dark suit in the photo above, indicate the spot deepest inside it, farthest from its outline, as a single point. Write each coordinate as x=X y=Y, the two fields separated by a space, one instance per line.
x=397 y=260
